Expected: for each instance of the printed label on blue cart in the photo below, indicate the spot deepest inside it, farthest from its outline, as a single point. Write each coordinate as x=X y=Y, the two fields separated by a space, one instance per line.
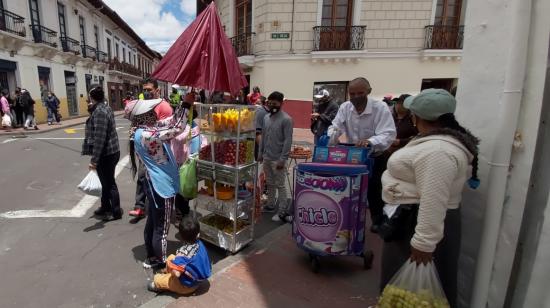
x=326 y=211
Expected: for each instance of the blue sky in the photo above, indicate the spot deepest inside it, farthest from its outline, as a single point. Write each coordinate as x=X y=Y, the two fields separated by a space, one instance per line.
x=158 y=22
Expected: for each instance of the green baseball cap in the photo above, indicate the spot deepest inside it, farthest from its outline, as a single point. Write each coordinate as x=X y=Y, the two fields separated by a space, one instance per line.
x=430 y=104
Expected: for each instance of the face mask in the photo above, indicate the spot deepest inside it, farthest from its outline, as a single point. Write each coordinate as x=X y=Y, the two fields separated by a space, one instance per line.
x=148 y=95
x=359 y=101
x=274 y=109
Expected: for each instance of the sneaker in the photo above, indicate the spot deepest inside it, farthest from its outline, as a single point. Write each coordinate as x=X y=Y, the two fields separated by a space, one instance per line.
x=151 y=287
x=276 y=218
x=153 y=263
x=268 y=209
x=137 y=212
x=36 y=128
x=286 y=218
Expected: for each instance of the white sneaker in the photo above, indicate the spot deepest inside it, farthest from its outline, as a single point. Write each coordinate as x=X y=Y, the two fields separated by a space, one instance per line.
x=276 y=218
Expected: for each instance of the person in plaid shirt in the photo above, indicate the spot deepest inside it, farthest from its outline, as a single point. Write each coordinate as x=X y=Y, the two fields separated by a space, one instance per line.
x=101 y=143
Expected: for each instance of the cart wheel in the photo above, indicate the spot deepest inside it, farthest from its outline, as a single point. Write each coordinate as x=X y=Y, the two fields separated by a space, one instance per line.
x=368 y=257
x=315 y=264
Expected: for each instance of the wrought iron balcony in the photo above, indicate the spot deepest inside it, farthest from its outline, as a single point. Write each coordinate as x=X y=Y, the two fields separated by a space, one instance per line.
x=338 y=38
x=444 y=37
x=70 y=45
x=243 y=44
x=44 y=35
x=12 y=23
x=102 y=56
x=124 y=67
x=88 y=52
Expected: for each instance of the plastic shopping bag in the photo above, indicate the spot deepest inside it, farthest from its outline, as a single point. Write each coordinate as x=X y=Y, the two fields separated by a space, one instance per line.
x=188 y=179
x=90 y=184
x=6 y=120
x=414 y=286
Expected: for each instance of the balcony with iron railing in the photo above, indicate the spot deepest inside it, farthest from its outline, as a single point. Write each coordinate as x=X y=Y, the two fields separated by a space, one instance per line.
x=12 y=23
x=70 y=45
x=102 y=56
x=242 y=44
x=88 y=52
x=444 y=37
x=44 y=35
x=333 y=38
x=123 y=67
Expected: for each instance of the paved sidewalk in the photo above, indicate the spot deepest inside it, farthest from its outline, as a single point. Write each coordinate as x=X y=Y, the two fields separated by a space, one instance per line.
x=46 y=128
x=276 y=273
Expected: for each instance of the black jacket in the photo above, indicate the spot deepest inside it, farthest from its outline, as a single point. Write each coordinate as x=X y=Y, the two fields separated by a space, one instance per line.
x=327 y=112
x=27 y=103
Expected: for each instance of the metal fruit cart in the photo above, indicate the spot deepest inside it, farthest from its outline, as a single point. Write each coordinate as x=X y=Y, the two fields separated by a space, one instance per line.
x=227 y=175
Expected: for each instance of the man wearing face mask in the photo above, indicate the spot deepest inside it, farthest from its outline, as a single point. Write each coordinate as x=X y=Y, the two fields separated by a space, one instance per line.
x=274 y=151
x=366 y=122
x=163 y=110
x=325 y=112
x=101 y=143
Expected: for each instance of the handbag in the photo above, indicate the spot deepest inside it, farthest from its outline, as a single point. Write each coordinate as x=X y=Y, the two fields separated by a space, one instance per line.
x=188 y=171
x=400 y=225
x=6 y=120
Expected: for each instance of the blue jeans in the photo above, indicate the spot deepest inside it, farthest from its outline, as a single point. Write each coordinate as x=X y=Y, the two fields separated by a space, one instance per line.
x=51 y=115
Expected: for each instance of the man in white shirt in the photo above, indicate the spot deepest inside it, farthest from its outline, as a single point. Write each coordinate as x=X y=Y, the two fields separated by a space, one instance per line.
x=366 y=122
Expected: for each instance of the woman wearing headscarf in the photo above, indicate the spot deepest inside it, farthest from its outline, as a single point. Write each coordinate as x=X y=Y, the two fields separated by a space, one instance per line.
x=424 y=182
x=151 y=144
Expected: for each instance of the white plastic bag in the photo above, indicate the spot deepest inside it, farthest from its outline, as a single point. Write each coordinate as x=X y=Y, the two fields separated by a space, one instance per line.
x=90 y=184
x=6 y=120
x=414 y=286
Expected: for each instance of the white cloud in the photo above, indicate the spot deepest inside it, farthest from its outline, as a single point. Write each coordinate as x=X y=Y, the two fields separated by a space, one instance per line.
x=189 y=7
x=158 y=28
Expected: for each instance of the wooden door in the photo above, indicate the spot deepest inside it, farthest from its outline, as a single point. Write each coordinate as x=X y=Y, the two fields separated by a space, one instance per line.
x=243 y=27
x=335 y=33
x=447 y=24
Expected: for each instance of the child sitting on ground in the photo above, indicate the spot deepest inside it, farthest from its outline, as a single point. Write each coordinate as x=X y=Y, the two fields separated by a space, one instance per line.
x=189 y=267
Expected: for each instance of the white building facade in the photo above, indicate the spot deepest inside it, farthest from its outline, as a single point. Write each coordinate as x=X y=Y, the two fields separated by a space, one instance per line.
x=64 y=46
x=298 y=47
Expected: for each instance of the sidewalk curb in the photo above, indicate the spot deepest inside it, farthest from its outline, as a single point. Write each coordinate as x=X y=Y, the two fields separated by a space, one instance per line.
x=257 y=246
x=81 y=120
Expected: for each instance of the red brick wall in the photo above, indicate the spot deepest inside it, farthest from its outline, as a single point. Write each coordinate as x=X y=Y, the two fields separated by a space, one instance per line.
x=300 y=111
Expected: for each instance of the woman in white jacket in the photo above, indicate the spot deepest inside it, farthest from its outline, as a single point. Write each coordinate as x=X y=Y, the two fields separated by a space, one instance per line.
x=426 y=179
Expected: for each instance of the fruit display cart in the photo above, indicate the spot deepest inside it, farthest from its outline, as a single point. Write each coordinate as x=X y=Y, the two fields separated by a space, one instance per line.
x=227 y=175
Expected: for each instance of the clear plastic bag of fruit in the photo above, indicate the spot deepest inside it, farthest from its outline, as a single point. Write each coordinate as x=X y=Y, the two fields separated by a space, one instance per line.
x=414 y=286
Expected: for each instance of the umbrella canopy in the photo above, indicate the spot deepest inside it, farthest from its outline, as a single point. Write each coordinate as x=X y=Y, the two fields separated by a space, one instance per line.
x=203 y=57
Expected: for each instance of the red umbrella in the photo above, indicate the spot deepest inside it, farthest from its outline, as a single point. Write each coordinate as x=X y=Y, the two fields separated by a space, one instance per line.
x=203 y=57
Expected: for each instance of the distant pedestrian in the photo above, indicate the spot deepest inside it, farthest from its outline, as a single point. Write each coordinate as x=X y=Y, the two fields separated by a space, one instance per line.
x=52 y=104
x=101 y=143
x=254 y=97
x=274 y=151
x=5 y=108
x=324 y=113
x=190 y=267
x=19 y=111
x=129 y=97
x=28 y=107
